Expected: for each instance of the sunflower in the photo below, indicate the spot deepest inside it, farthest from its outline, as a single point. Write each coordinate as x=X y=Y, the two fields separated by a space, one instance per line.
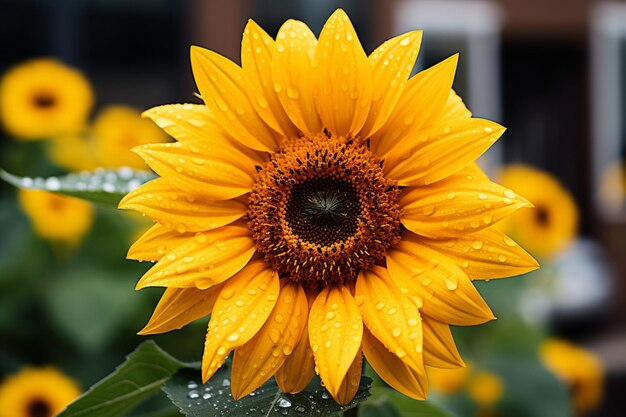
x=323 y=206
x=56 y=217
x=552 y=223
x=73 y=153
x=579 y=369
x=42 y=98
x=36 y=392
x=119 y=128
x=447 y=381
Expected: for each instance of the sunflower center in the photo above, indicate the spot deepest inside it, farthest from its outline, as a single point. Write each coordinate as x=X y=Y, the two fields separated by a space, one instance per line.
x=542 y=216
x=44 y=100
x=321 y=210
x=38 y=408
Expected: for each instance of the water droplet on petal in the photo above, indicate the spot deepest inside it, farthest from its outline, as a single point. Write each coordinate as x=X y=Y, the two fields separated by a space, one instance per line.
x=227 y=293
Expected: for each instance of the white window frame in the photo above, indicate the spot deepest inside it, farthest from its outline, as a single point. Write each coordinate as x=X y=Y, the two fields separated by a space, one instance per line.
x=608 y=29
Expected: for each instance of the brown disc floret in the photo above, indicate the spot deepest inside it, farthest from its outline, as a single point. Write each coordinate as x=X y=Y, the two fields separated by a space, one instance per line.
x=321 y=210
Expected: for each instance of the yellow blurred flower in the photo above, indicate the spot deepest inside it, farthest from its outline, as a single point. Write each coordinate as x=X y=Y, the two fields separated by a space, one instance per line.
x=42 y=98
x=36 y=392
x=549 y=226
x=579 y=369
x=485 y=388
x=116 y=130
x=56 y=217
x=447 y=381
x=74 y=153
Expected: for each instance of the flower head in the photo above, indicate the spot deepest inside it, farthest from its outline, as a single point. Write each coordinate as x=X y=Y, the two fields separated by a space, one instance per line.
x=42 y=98
x=56 y=217
x=323 y=206
x=579 y=369
x=108 y=142
x=549 y=226
x=36 y=392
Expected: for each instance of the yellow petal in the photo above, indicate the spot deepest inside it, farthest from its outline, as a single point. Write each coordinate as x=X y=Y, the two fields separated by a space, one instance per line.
x=454 y=109
x=299 y=367
x=260 y=358
x=224 y=90
x=292 y=68
x=155 y=243
x=343 y=77
x=457 y=206
x=440 y=151
x=439 y=347
x=421 y=103
x=392 y=370
x=176 y=209
x=204 y=260
x=350 y=385
x=179 y=307
x=335 y=329
x=257 y=49
x=438 y=287
x=201 y=168
x=196 y=122
x=390 y=316
x=241 y=309
x=392 y=63
x=486 y=254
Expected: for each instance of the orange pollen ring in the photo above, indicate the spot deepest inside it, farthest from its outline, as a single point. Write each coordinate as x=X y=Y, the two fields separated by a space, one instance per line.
x=321 y=210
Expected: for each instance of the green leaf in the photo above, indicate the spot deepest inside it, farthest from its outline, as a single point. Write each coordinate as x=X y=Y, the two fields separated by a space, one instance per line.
x=382 y=398
x=105 y=186
x=529 y=389
x=139 y=377
x=89 y=305
x=214 y=398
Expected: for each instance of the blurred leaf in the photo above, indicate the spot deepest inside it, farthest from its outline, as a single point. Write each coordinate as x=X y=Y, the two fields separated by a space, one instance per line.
x=138 y=378
x=214 y=398
x=105 y=186
x=530 y=390
x=403 y=406
x=89 y=305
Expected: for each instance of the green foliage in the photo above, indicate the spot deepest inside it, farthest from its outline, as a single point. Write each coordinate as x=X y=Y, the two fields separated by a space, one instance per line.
x=149 y=368
x=214 y=398
x=530 y=390
x=89 y=305
x=104 y=186
x=138 y=378
x=388 y=402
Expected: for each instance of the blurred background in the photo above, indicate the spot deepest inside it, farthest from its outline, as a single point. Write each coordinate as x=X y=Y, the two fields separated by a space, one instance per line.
x=552 y=71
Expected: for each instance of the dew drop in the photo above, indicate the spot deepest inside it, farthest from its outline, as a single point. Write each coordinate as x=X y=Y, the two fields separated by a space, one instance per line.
x=396 y=332
x=477 y=244
x=509 y=242
x=284 y=403
x=227 y=293
x=193 y=394
x=451 y=284
x=380 y=306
